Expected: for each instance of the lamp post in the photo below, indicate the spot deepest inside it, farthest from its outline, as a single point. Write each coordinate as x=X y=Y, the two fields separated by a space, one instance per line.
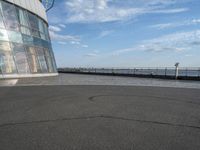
x=176 y=70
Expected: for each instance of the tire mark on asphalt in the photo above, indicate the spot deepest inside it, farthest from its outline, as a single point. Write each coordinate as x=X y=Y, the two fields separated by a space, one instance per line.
x=101 y=116
x=158 y=98
x=39 y=103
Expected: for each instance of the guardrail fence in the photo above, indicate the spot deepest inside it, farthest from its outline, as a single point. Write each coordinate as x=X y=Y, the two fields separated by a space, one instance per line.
x=151 y=72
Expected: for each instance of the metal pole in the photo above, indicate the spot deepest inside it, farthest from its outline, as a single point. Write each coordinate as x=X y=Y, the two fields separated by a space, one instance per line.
x=186 y=71
x=165 y=72
x=176 y=70
x=199 y=73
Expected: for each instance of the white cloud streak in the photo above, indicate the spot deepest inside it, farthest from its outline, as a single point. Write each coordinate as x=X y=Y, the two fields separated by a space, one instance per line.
x=176 y=24
x=176 y=42
x=102 y=11
x=54 y=28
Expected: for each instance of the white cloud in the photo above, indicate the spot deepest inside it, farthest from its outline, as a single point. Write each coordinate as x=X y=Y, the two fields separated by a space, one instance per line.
x=176 y=24
x=170 y=11
x=64 y=38
x=85 y=46
x=62 y=43
x=91 y=55
x=105 y=33
x=62 y=25
x=75 y=42
x=196 y=21
x=94 y=53
x=175 y=42
x=54 y=28
x=103 y=11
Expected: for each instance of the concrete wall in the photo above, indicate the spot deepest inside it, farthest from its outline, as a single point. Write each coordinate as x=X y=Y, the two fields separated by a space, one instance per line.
x=34 y=6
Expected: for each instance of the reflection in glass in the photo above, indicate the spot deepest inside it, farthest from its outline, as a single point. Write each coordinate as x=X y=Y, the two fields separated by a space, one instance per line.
x=22 y=16
x=25 y=30
x=9 y=14
x=1 y=17
x=41 y=59
x=27 y=39
x=42 y=62
x=3 y=35
x=15 y=36
x=33 y=21
x=4 y=46
x=32 y=59
x=6 y=63
x=21 y=62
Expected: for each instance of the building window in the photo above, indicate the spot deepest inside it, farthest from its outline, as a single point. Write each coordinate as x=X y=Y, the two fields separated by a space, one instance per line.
x=41 y=59
x=32 y=60
x=4 y=46
x=6 y=63
x=3 y=35
x=10 y=18
x=28 y=40
x=1 y=17
x=15 y=37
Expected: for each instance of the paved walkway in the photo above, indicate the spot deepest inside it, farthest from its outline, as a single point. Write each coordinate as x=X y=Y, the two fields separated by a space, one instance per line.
x=61 y=117
x=78 y=79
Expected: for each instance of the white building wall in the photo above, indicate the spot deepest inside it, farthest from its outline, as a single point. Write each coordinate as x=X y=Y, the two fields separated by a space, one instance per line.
x=34 y=6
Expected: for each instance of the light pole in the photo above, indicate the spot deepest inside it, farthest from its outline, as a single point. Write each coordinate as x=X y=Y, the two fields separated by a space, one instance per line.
x=176 y=70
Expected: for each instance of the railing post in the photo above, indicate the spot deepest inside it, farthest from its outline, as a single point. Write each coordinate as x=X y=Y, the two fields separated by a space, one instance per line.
x=176 y=70
x=199 y=73
x=186 y=72
x=156 y=71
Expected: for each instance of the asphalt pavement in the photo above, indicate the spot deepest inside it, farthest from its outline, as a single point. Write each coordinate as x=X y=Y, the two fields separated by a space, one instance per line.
x=92 y=117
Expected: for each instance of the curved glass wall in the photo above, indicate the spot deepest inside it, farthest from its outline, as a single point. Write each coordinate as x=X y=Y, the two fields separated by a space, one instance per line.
x=25 y=46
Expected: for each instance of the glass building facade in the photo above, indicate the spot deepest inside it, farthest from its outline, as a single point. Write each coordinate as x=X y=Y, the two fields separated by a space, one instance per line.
x=25 y=46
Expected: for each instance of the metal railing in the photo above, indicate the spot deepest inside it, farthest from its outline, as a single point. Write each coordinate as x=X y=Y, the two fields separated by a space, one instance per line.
x=164 y=72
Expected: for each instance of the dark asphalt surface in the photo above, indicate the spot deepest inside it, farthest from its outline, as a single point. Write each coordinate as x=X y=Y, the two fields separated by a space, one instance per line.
x=99 y=118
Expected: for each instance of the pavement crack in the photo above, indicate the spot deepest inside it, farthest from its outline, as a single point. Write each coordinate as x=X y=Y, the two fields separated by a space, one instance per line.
x=100 y=116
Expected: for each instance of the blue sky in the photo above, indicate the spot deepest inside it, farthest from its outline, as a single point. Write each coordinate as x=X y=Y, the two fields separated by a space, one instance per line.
x=125 y=33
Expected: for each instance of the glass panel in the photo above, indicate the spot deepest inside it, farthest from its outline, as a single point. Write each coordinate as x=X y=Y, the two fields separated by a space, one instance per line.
x=42 y=62
x=40 y=51
x=53 y=60
x=3 y=35
x=15 y=36
x=5 y=46
x=37 y=41
x=46 y=52
x=41 y=59
x=1 y=17
x=45 y=28
x=32 y=60
x=10 y=17
x=21 y=62
x=17 y=47
x=33 y=21
x=25 y=30
x=49 y=64
x=42 y=36
x=31 y=51
x=27 y=39
x=45 y=43
x=35 y=33
x=6 y=63
x=41 y=26
x=46 y=32
x=22 y=17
